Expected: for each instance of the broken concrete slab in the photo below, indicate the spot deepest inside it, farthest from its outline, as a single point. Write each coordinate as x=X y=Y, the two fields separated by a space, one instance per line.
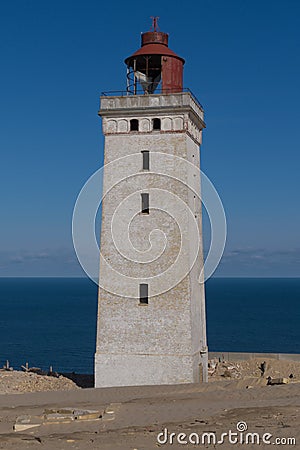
x=25 y=422
x=72 y=414
x=87 y=415
x=56 y=416
x=275 y=381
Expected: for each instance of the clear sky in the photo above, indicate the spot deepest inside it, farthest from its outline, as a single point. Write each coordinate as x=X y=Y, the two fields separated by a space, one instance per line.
x=242 y=62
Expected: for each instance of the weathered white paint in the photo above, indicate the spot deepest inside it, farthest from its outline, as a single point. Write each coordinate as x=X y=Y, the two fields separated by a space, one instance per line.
x=163 y=342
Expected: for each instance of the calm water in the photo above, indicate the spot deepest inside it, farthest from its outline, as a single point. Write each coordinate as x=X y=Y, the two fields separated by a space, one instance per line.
x=53 y=321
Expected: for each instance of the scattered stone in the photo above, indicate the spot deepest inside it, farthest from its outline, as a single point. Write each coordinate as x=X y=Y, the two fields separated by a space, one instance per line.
x=226 y=374
x=273 y=381
x=250 y=368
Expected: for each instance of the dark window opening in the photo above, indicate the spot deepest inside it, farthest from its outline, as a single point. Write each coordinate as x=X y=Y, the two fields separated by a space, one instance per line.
x=145 y=203
x=156 y=124
x=134 y=125
x=144 y=294
x=146 y=164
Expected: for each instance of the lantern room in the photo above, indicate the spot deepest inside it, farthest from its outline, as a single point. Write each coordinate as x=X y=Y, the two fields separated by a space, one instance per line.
x=154 y=67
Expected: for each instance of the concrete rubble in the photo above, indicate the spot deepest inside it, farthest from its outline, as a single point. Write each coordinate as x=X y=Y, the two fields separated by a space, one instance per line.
x=56 y=416
x=224 y=369
x=274 y=381
x=269 y=372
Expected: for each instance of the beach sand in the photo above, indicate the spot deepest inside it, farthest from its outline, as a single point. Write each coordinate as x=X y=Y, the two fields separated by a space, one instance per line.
x=132 y=417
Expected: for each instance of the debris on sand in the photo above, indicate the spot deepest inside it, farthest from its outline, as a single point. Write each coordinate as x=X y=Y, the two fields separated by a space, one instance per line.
x=56 y=416
x=254 y=368
x=223 y=369
x=273 y=381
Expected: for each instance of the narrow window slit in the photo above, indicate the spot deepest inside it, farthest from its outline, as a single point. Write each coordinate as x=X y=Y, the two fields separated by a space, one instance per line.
x=144 y=294
x=145 y=203
x=146 y=160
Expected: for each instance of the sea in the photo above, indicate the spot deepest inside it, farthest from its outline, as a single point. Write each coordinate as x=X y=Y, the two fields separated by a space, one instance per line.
x=52 y=321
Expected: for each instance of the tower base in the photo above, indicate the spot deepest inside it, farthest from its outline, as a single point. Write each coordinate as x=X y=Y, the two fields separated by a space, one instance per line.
x=136 y=370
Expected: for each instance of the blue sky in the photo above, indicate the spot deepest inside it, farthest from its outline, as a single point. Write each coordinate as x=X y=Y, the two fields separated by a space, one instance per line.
x=242 y=62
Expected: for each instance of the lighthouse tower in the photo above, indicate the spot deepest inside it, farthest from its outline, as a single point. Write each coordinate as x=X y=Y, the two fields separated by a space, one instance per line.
x=151 y=325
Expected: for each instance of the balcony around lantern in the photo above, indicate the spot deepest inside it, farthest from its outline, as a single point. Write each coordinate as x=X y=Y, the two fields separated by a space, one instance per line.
x=120 y=101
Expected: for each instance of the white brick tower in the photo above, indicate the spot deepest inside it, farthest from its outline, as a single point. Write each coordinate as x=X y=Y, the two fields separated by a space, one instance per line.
x=151 y=310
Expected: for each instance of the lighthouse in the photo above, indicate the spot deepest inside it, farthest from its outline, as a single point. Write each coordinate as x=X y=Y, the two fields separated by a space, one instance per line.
x=151 y=325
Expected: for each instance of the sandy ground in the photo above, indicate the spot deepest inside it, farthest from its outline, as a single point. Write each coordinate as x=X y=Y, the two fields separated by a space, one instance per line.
x=132 y=417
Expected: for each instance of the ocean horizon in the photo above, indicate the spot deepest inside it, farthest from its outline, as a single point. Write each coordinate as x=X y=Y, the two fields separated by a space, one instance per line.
x=52 y=320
